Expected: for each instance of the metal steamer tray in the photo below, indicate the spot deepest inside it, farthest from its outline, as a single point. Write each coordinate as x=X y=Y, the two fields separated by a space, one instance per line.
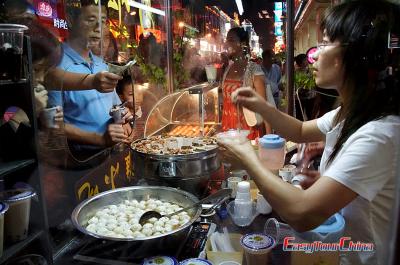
x=190 y=172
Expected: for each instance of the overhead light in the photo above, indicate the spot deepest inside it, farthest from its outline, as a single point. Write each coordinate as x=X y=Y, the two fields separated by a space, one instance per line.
x=264 y=12
x=146 y=8
x=133 y=13
x=239 y=6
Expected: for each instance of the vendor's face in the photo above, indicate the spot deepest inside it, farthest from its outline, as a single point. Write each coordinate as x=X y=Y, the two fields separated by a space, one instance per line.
x=328 y=67
x=87 y=28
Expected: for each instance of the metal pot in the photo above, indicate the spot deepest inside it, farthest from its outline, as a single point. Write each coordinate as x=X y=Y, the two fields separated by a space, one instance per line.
x=189 y=172
x=147 y=245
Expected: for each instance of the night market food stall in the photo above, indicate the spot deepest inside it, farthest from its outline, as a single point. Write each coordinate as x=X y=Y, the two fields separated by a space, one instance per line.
x=75 y=194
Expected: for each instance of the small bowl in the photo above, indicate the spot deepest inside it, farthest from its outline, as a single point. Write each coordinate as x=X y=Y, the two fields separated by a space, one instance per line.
x=235 y=136
x=242 y=220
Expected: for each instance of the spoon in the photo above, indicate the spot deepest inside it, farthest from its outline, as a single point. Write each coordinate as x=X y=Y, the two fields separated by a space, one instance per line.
x=153 y=214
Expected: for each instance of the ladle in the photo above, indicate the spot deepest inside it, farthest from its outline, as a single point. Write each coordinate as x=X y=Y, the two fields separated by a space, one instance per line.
x=154 y=214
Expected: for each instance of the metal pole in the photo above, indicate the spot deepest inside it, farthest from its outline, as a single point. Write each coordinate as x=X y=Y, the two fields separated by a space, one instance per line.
x=170 y=47
x=290 y=55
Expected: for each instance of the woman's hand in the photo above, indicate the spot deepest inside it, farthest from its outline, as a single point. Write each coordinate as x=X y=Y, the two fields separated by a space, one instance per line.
x=250 y=99
x=238 y=155
x=310 y=177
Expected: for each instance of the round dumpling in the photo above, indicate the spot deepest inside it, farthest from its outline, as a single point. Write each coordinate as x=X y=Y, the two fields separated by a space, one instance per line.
x=147 y=231
x=168 y=228
x=93 y=220
x=92 y=228
x=148 y=225
x=136 y=227
x=138 y=234
x=158 y=228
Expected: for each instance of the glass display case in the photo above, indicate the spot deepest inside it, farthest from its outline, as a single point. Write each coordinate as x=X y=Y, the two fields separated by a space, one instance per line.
x=193 y=111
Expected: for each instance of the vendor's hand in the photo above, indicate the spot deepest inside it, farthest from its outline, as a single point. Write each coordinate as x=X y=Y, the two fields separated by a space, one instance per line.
x=250 y=99
x=238 y=155
x=115 y=134
x=311 y=176
x=104 y=82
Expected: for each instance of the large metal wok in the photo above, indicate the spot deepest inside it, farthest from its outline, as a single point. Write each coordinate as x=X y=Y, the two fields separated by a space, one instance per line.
x=87 y=209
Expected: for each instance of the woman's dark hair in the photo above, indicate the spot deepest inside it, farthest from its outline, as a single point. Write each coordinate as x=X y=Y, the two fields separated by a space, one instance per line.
x=241 y=33
x=371 y=68
x=300 y=59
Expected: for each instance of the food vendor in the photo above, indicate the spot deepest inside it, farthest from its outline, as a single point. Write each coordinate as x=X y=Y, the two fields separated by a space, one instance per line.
x=360 y=161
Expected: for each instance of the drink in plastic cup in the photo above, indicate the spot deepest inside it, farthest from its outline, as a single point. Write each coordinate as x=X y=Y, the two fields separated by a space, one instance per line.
x=117 y=112
x=211 y=72
x=257 y=247
x=233 y=136
x=11 y=49
x=49 y=117
x=16 y=218
x=3 y=210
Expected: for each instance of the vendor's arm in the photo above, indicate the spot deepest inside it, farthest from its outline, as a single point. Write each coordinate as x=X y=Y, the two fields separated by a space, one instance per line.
x=357 y=171
x=287 y=126
x=103 y=81
x=301 y=209
x=259 y=86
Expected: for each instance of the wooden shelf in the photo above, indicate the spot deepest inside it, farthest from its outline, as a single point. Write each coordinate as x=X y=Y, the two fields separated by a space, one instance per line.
x=9 y=167
x=10 y=82
x=10 y=251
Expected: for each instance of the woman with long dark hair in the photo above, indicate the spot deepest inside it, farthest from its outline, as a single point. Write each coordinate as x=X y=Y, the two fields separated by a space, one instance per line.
x=359 y=164
x=240 y=72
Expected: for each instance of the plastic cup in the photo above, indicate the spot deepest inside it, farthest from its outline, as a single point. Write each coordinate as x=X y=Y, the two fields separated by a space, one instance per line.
x=277 y=230
x=232 y=183
x=11 y=49
x=257 y=247
x=195 y=261
x=229 y=262
x=3 y=210
x=233 y=136
x=263 y=206
x=239 y=217
x=287 y=172
x=117 y=112
x=161 y=260
x=49 y=117
x=17 y=217
x=211 y=72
